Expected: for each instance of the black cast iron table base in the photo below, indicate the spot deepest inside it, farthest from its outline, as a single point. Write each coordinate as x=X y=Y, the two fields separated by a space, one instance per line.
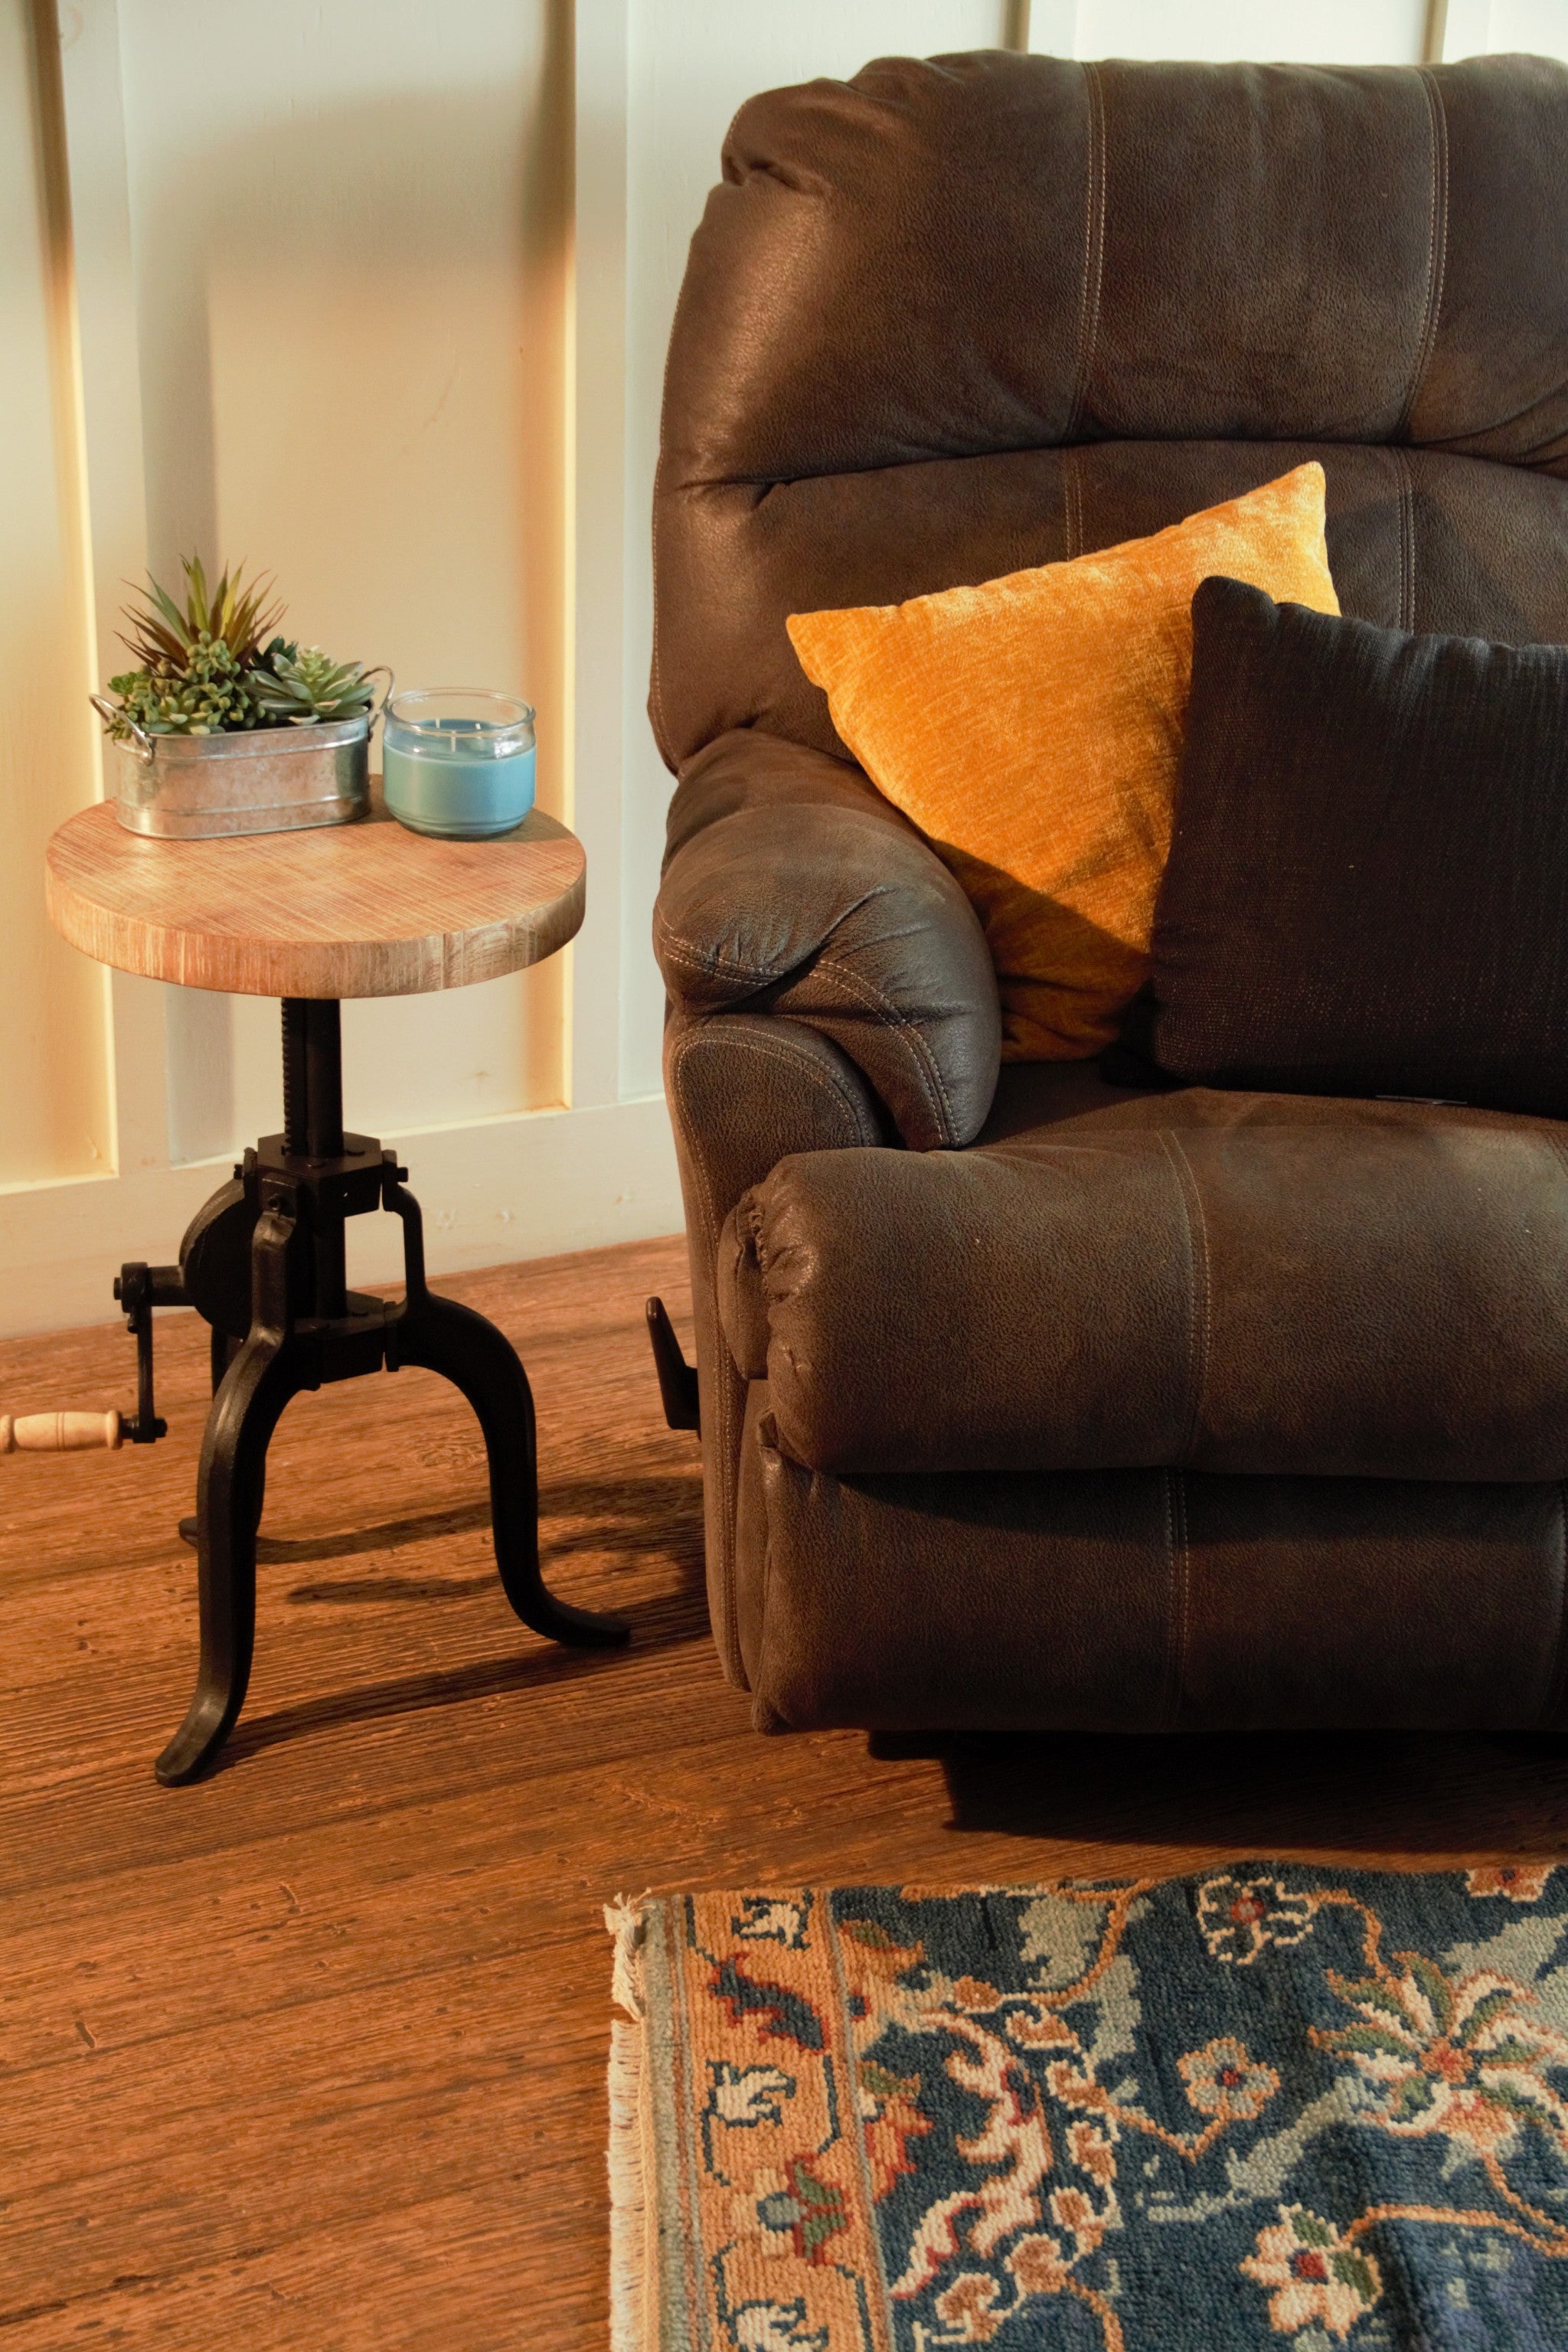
x=264 y=1261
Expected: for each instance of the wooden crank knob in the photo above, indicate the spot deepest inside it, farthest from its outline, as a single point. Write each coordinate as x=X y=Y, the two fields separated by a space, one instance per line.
x=57 y=1433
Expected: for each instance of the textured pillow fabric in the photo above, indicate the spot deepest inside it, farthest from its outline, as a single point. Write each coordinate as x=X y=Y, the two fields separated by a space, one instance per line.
x=1367 y=890
x=1031 y=728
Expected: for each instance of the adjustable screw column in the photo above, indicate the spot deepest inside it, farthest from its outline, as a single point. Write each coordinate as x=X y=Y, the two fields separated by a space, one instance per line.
x=313 y=1129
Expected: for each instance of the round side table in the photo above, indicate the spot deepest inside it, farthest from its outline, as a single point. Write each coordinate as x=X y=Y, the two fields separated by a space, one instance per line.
x=312 y=916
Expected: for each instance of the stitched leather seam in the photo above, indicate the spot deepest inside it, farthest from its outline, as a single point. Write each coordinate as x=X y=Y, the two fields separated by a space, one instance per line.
x=697 y=958
x=711 y=1222
x=855 y=985
x=1185 y=1598
x=682 y=951
x=1550 y=1716
x=1200 y=1287
x=1436 y=247
x=1093 y=248
x=656 y=682
x=1171 y=1603
x=890 y=1016
x=829 y=1080
x=1406 y=541
x=1555 y=1701
x=767 y=1582
x=1012 y=449
x=730 y=1641
x=1173 y=1696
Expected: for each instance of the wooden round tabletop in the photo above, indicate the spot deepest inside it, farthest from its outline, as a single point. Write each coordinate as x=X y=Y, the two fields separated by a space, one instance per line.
x=363 y=910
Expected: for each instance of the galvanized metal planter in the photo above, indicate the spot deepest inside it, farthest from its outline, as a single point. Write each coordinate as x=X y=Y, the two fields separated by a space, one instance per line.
x=271 y=779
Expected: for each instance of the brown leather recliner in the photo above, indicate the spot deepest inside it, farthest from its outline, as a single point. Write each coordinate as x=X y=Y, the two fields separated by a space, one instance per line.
x=1029 y=1399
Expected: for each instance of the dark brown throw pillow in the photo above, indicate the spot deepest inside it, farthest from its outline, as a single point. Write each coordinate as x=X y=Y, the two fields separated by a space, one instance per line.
x=1367 y=891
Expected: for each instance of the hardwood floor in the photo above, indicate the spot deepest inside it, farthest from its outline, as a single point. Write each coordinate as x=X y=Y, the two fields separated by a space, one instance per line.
x=312 y=2055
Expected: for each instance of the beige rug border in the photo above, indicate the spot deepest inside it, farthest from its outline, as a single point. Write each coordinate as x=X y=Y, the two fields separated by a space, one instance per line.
x=633 y=2216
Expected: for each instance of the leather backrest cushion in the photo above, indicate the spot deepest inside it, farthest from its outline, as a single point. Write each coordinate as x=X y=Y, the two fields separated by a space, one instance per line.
x=914 y=291
x=1416 y=540
x=1367 y=890
x=987 y=252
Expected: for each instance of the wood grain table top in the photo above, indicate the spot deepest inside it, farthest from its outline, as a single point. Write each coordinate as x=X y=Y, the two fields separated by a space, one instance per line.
x=364 y=909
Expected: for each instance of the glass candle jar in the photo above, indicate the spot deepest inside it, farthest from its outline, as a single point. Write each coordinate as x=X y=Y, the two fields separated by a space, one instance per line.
x=458 y=764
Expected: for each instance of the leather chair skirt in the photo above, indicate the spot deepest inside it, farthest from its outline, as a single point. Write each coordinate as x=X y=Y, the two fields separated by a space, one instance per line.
x=1142 y=1599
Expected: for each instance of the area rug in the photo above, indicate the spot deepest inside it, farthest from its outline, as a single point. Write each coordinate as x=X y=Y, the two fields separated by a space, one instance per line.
x=1184 y=2115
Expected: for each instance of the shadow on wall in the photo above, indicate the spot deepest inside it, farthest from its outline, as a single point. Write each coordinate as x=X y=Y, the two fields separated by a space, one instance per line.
x=352 y=319
x=399 y=217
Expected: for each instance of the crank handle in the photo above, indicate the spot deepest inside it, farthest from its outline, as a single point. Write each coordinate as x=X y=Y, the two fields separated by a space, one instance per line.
x=139 y=1289
x=57 y=1433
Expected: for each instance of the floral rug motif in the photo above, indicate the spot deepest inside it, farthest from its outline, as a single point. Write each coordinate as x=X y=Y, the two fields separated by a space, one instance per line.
x=1277 y=2104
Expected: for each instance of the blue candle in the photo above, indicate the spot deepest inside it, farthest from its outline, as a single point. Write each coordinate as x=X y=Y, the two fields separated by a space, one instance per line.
x=460 y=764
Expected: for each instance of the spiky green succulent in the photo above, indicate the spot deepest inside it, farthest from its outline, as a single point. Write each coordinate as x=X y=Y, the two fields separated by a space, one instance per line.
x=233 y=613
x=201 y=670
x=209 y=694
x=298 y=686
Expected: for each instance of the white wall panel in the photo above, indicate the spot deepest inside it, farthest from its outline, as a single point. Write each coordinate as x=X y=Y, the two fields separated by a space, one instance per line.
x=351 y=237
x=1311 y=32
x=1473 y=26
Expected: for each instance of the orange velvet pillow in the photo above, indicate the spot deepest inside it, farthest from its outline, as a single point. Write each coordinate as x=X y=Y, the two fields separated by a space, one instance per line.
x=1031 y=728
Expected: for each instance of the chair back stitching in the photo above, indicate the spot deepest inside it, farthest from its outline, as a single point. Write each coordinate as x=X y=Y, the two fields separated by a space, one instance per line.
x=1437 y=248
x=1093 y=248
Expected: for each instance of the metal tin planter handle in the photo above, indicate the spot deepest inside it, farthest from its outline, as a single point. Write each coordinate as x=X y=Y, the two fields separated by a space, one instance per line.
x=378 y=711
x=114 y=719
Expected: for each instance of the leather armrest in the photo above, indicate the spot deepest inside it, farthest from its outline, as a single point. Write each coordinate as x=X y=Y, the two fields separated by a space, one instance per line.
x=791 y=885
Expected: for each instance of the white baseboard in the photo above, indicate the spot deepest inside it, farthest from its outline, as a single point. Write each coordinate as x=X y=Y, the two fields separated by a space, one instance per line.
x=532 y=1185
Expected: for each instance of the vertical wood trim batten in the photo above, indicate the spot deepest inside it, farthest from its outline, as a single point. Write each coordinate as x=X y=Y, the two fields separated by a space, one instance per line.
x=115 y=504
x=54 y=1063
x=597 y=528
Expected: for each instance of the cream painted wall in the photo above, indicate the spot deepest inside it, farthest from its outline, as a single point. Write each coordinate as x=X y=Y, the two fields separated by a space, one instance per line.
x=350 y=249
x=377 y=294
x=1471 y=26
x=55 y=1110
x=1338 y=32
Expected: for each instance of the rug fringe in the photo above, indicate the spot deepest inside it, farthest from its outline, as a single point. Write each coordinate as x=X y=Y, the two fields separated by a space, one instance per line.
x=623 y=1919
x=628 y=2181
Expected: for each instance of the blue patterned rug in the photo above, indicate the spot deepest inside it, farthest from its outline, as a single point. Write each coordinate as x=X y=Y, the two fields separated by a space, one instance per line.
x=1273 y=2105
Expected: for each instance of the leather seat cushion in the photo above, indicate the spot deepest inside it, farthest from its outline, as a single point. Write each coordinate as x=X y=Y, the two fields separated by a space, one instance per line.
x=1231 y=1283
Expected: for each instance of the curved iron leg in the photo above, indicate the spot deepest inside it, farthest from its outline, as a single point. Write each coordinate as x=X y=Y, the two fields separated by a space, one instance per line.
x=481 y=1360
x=223 y=1349
x=256 y=1386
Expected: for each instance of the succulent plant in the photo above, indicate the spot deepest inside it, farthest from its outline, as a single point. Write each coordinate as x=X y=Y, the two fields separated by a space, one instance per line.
x=300 y=686
x=233 y=613
x=202 y=668
x=208 y=694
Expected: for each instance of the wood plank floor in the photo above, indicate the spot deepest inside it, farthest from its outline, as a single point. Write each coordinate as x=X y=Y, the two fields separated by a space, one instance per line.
x=312 y=2055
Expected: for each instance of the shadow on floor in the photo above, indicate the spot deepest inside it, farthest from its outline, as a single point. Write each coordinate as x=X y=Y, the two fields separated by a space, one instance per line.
x=627 y=1519
x=664 y=1626
x=632 y=1518
x=1261 y=1793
